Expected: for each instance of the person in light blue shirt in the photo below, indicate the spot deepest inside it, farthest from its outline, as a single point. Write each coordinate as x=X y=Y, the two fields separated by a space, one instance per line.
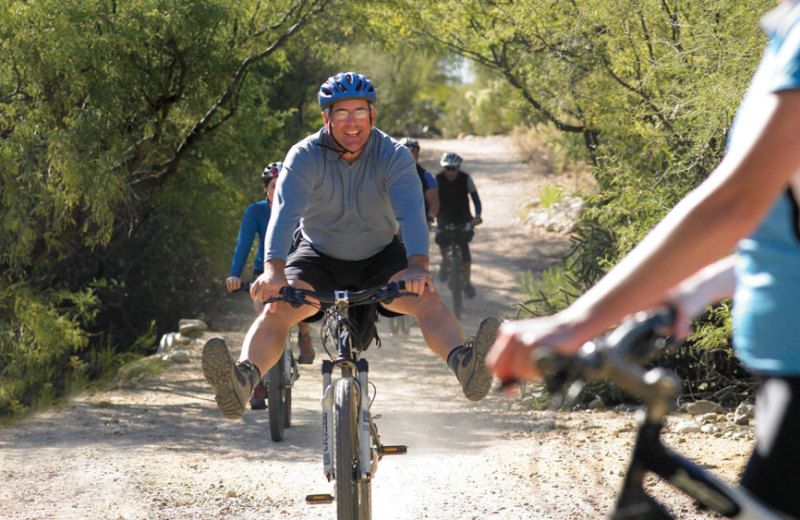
x=351 y=188
x=254 y=224
x=750 y=203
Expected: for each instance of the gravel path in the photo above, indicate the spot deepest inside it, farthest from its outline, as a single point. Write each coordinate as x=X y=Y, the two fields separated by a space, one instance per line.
x=161 y=450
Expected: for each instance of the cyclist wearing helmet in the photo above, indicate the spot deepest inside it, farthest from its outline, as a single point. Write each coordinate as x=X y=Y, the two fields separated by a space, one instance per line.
x=254 y=223
x=751 y=202
x=455 y=190
x=429 y=188
x=352 y=188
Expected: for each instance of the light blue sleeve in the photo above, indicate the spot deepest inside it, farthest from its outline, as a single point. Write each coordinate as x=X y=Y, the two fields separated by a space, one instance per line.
x=785 y=49
x=405 y=194
x=291 y=196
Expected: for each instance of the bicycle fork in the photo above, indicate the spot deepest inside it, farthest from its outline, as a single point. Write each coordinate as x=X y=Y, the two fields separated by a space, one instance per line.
x=369 y=453
x=367 y=460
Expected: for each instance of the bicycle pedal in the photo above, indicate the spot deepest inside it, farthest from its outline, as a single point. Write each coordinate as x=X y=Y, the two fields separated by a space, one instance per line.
x=393 y=450
x=319 y=499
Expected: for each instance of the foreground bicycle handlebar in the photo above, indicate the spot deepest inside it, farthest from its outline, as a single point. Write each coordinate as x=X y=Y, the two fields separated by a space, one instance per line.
x=617 y=357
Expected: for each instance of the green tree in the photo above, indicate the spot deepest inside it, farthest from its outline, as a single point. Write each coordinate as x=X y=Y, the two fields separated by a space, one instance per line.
x=113 y=213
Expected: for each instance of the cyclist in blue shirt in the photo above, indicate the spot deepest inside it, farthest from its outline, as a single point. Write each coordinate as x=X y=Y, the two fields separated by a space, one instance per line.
x=254 y=224
x=750 y=203
x=429 y=187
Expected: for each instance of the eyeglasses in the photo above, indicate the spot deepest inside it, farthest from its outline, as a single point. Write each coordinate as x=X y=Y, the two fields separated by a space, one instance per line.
x=343 y=115
x=451 y=168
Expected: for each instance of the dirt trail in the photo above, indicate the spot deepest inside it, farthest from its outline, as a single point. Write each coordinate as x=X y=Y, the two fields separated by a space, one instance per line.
x=161 y=450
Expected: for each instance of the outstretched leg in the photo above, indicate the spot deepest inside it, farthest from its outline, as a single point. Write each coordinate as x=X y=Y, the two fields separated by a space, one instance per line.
x=444 y=337
x=232 y=382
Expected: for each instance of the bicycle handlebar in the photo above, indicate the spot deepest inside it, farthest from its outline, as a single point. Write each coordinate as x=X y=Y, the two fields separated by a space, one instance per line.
x=453 y=227
x=296 y=296
x=379 y=294
x=617 y=357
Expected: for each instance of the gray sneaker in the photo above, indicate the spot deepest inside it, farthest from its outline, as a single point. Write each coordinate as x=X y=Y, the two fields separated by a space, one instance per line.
x=232 y=383
x=472 y=374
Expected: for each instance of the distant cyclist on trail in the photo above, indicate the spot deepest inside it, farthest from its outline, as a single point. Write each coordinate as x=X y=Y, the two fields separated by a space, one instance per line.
x=429 y=188
x=254 y=223
x=456 y=188
x=750 y=202
x=352 y=188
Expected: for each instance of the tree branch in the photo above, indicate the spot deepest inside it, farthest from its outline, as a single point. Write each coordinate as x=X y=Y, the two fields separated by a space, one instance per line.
x=168 y=168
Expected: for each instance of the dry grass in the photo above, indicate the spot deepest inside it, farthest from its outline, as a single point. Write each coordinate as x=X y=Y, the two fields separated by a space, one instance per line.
x=542 y=148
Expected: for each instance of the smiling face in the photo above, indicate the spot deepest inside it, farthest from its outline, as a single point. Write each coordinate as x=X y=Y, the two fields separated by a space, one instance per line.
x=346 y=127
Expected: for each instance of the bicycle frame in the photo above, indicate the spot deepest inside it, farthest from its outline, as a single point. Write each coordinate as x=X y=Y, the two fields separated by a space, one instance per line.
x=617 y=357
x=354 y=378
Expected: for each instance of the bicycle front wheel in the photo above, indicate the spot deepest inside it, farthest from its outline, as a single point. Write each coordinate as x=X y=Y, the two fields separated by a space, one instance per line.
x=353 y=494
x=276 y=399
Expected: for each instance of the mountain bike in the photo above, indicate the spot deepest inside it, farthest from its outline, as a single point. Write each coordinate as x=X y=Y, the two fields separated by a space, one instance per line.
x=618 y=357
x=351 y=446
x=449 y=235
x=277 y=383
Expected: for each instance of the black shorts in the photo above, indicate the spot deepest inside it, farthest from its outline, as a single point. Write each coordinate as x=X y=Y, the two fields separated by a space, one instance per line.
x=327 y=274
x=773 y=473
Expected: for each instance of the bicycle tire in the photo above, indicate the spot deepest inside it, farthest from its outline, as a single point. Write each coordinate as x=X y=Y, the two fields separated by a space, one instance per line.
x=287 y=408
x=353 y=495
x=456 y=284
x=276 y=400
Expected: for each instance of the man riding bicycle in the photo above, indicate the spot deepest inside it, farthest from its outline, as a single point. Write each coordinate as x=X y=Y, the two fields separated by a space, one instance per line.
x=750 y=201
x=254 y=223
x=456 y=188
x=429 y=188
x=352 y=188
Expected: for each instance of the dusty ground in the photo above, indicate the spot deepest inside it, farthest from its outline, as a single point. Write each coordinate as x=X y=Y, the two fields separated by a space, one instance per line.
x=161 y=450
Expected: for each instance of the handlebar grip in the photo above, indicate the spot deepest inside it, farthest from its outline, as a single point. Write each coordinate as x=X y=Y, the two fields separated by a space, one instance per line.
x=554 y=367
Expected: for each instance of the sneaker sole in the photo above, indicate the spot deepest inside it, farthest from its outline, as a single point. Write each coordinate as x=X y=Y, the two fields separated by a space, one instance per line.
x=481 y=380
x=218 y=369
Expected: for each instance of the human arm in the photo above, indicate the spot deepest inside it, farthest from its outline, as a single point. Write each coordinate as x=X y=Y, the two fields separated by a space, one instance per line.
x=406 y=198
x=417 y=275
x=710 y=285
x=270 y=282
x=697 y=232
x=432 y=196
x=244 y=243
x=292 y=192
x=476 y=201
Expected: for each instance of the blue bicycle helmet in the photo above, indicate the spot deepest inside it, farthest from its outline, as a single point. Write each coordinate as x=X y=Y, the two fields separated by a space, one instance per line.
x=346 y=85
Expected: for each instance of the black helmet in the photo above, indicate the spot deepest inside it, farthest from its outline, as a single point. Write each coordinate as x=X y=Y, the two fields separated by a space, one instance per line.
x=450 y=159
x=346 y=85
x=271 y=171
x=410 y=143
